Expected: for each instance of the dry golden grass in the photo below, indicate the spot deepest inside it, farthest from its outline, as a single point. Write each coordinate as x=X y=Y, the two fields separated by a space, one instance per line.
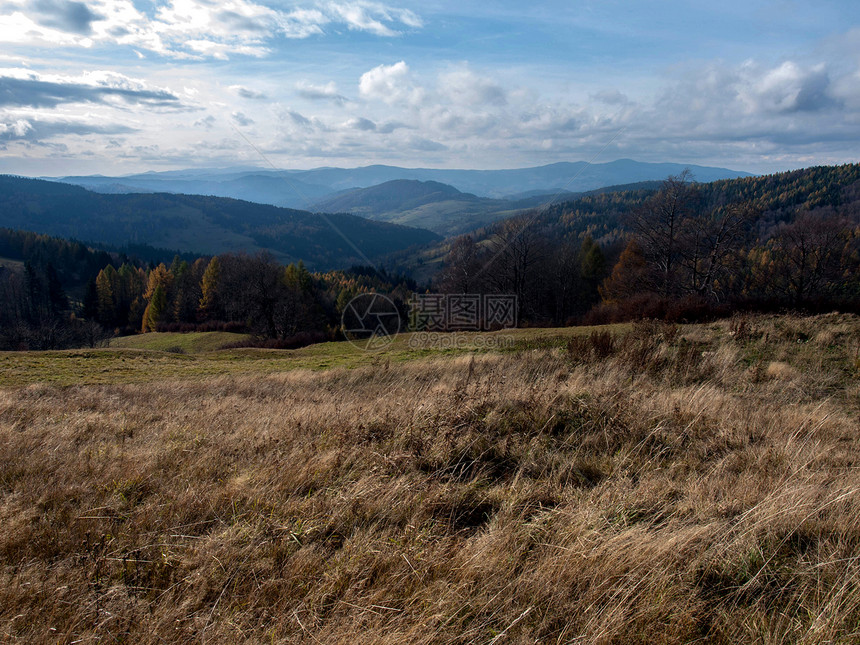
x=666 y=486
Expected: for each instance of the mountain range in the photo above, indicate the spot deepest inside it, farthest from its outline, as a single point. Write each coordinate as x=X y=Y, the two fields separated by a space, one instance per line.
x=304 y=188
x=200 y=224
x=442 y=208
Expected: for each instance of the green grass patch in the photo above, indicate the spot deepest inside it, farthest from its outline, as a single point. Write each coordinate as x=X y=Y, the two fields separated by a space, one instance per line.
x=187 y=343
x=148 y=357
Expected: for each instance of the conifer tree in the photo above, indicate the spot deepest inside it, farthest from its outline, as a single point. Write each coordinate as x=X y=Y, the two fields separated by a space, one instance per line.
x=209 y=305
x=105 y=297
x=155 y=310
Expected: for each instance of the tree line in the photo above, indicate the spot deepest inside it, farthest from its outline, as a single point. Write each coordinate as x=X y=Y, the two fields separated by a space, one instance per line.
x=55 y=293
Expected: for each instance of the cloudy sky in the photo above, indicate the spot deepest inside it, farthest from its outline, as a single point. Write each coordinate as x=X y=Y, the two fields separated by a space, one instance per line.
x=121 y=86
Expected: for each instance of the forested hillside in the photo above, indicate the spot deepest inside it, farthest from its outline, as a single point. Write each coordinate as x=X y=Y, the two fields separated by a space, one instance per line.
x=783 y=240
x=55 y=293
x=683 y=252
x=198 y=224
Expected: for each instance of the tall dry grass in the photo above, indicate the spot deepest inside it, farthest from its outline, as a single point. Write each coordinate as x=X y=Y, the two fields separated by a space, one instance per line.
x=665 y=487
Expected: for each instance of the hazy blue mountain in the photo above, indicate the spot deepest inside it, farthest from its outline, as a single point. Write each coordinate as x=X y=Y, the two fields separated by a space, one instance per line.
x=199 y=224
x=301 y=188
x=396 y=195
x=570 y=176
x=260 y=186
x=442 y=208
x=773 y=200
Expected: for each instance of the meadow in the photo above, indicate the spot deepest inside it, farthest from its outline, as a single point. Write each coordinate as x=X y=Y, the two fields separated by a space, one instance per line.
x=643 y=483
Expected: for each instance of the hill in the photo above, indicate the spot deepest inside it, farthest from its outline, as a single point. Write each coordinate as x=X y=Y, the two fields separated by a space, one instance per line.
x=442 y=208
x=438 y=207
x=396 y=195
x=774 y=199
x=198 y=224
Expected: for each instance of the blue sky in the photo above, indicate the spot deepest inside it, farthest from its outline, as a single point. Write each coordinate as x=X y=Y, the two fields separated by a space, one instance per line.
x=121 y=86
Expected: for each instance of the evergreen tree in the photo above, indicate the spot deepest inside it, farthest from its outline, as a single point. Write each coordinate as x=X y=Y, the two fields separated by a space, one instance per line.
x=155 y=310
x=210 y=306
x=56 y=295
x=105 y=297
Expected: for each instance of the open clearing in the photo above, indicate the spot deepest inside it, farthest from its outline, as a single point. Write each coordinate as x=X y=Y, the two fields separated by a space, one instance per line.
x=650 y=485
x=189 y=343
x=153 y=357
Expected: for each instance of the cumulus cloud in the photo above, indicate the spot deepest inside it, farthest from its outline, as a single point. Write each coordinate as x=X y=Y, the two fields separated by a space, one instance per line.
x=191 y=28
x=16 y=129
x=786 y=88
x=40 y=129
x=241 y=119
x=751 y=101
x=466 y=87
x=206 y=122
x=373 y=17
x=247 y=93
x=610 y=97
x=297 y=119
x=74 y=17
x=749 y=106
x=425 y=145
x=327 y=92
x=360 y=123
x=390 y=126
x=22 y=87
x=389 y=83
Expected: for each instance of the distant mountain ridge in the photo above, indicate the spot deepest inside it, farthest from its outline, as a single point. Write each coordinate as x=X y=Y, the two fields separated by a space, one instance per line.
x=199 y=224
x=442 y=208
x=302 y=188
x=398 y=194
x=775 y=200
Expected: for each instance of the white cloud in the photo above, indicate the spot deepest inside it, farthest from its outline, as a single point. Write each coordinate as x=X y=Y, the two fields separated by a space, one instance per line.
x=47 y=130
x=372 y=17
x=389 y=83
x=241 y=119
x=360 y=123
x=24 y=87
x=206 y=122
x=247 y=93
x=65 y=15
x=610 y=97
x=466 y=87
x=326 y=92
x=18 y=128
x=190 y=28
x=787 y=88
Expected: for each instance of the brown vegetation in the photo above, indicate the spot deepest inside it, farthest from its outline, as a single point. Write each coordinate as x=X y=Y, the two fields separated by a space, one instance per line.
x=669 y=485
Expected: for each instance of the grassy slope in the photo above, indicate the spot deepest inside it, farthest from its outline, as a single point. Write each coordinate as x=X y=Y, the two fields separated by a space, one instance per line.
x=189 y=343
x=137 y=359
x=670 y=486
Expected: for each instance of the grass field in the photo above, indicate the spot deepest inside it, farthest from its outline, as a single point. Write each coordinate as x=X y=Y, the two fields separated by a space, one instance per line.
x=153 y=357
x=187 y=343
x=652 y=484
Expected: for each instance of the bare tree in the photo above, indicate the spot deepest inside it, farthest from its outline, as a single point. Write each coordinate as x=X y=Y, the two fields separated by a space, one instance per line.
x=657 y=225
x=516 y=248
x=461 y=273
x=809 y=255
x=707 y=244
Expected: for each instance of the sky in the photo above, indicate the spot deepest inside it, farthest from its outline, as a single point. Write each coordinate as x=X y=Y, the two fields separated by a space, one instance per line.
x=123 y=86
